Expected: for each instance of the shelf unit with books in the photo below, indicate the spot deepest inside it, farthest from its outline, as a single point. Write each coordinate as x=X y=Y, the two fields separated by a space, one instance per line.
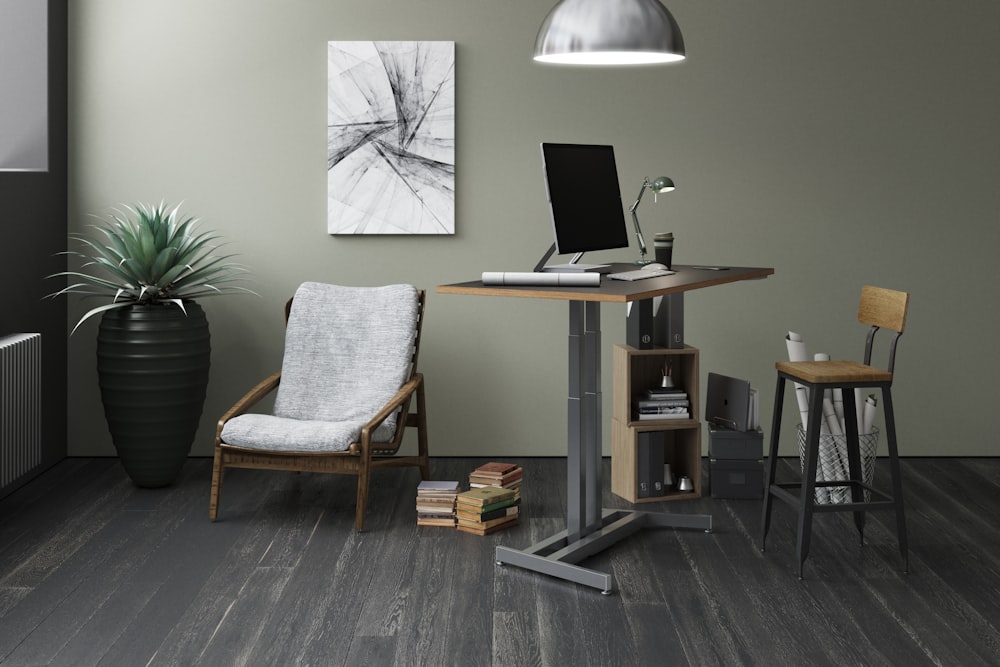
x=635 y=372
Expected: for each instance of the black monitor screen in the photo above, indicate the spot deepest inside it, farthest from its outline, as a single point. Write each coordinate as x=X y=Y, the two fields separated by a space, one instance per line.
x=582 y=184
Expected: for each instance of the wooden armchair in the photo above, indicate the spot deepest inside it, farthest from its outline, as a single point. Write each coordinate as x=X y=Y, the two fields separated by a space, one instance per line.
x=344 y=394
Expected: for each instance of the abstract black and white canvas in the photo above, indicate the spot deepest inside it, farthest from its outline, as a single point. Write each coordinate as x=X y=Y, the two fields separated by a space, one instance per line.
x=391 y=138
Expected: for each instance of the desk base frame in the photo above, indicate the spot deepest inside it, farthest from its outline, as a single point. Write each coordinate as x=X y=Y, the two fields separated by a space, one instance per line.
x=589 y=529
x=557 y=556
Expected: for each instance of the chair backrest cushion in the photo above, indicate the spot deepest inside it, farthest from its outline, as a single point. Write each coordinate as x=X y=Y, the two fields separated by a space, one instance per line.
x=347 y=351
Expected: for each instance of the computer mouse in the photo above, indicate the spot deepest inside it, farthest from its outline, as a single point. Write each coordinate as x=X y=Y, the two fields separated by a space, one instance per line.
x=656 y=267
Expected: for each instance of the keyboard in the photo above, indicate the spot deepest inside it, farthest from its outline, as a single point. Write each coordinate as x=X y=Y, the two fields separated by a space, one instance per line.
x=640 y=274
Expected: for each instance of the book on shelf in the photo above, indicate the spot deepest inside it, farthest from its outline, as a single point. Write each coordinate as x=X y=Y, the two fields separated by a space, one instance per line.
x=480 y=482
x=662 y=393
x=682 y=415
x=496 y=473
x=436 y=503
x=490 y=523
x=436 y=487
x=507 y=510
x=496 y=469
x=651 y=457
x=475 y=530
x=487 y=495
x=482 y=509
x=430 y=520
x=661 y=403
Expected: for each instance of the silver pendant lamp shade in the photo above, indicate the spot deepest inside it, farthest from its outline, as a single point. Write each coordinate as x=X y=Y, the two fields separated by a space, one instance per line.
x=609 y=32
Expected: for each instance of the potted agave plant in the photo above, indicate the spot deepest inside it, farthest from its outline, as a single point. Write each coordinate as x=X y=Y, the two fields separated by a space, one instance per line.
x=153 y=343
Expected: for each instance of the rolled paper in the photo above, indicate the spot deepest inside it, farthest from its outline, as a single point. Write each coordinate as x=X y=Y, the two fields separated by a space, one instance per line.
x=831 y=418
x=869 y=416
x=838 y=407
x=796 y=347
x=859 y=409
x=802 y=396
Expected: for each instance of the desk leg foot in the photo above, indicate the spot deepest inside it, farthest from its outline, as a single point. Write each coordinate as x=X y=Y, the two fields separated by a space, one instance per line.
x=557 y=557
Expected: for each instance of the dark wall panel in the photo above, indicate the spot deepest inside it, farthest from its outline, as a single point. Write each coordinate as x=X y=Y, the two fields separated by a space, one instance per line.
x=33 y=228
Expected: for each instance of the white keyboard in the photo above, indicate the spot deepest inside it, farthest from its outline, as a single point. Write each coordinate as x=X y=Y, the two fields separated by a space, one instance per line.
x=640 y=274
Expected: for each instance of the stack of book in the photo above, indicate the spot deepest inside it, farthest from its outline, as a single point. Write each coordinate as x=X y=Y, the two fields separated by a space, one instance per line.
x=664 y=403
x=495 y=473
x=487 y=509
x=436 y=503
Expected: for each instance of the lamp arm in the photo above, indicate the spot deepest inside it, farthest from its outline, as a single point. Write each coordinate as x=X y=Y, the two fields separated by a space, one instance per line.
x=635 y=219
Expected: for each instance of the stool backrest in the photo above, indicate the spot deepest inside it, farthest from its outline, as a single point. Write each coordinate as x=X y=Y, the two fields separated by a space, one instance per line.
x=886 y=309
x=883 y=308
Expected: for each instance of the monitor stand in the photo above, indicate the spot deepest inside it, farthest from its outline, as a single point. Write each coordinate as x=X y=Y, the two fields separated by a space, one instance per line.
x=572 y=267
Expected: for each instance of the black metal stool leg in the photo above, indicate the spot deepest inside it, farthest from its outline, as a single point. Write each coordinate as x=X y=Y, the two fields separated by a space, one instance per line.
x=897 y=481
x=855 y=474
x=808 y=495
x=772 y=460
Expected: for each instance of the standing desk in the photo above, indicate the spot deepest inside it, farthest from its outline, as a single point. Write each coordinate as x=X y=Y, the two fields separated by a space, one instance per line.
x=589 y=529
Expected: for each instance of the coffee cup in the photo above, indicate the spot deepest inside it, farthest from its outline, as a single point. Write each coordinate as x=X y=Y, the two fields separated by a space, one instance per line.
x=663 y=248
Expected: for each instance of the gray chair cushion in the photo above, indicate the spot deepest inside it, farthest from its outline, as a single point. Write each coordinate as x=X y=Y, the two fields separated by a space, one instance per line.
x=347 y=352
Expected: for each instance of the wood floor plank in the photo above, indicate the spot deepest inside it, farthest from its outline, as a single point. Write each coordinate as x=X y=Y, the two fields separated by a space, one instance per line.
x=95 y=571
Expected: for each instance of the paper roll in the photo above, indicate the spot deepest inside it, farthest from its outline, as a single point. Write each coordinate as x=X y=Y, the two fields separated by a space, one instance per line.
x=584 y=279
x=869 y=415
x=830 y=415
x=802 y=396
x=796 y=347
x=859 y=409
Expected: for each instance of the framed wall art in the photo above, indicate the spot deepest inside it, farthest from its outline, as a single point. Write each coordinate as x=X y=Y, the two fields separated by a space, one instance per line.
x=391 y=138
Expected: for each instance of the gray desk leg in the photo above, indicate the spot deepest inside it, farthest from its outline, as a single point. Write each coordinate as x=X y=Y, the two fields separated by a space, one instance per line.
x=589 y=529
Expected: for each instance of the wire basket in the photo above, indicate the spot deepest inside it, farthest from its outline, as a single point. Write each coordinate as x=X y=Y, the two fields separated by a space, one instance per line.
x=833 y=465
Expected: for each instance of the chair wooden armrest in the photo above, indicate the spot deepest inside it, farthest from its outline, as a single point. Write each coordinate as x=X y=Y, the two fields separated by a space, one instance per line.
x=251 y=398
x=396 y=402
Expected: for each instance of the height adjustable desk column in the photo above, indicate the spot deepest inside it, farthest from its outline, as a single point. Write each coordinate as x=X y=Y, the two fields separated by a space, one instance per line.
x=589 y=529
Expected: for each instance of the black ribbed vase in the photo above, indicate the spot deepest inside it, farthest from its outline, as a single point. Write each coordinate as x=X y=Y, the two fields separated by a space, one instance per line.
x=152 y=366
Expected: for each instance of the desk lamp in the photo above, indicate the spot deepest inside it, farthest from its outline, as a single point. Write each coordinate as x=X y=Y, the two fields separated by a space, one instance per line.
x=659 y=186
x=601 y=32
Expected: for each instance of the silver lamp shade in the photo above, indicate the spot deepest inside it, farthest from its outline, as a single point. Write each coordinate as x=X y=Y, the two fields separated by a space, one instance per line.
x=609 y=32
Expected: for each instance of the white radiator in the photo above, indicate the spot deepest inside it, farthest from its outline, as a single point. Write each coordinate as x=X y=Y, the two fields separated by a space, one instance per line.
x=20 y=405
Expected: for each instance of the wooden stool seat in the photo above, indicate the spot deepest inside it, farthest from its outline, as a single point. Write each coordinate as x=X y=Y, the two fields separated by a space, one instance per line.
x=832 y=372
x=879 y=308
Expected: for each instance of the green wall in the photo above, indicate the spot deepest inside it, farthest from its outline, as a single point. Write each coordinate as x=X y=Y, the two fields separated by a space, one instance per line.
x=843 y=143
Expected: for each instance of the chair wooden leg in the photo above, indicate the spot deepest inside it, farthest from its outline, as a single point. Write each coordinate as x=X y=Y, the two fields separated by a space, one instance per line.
x=425 y=471
x=216 y=493
x=364 y=477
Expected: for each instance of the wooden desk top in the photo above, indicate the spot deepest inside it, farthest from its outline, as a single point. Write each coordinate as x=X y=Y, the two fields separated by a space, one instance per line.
x=684 y=279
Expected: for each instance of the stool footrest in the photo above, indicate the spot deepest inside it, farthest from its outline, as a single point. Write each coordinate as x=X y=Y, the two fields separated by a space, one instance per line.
x=792 y=494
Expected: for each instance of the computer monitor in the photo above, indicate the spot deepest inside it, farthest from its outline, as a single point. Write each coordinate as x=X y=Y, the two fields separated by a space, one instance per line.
x=586 y=202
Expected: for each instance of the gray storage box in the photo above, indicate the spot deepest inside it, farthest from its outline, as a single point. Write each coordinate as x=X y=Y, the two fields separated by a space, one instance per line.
x=741 y=445
x=736 y=479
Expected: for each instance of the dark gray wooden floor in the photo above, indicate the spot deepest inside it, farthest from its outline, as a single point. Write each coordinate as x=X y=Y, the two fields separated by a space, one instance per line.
x=96 y=571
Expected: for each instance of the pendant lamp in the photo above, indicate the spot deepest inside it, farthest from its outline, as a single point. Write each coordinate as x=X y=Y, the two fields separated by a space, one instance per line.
x=609 y=32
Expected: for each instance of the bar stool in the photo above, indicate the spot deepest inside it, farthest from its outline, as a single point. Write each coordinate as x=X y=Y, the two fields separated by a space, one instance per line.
x=879 y=308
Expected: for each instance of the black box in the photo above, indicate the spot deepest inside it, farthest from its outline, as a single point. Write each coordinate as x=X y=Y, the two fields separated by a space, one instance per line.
x=741 y=445
x=736 y=479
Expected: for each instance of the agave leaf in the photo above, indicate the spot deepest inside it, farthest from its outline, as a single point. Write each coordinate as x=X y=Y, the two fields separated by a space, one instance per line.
x=165 y=260
x=180 y=304
x=100 y=309
x=148 y=254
